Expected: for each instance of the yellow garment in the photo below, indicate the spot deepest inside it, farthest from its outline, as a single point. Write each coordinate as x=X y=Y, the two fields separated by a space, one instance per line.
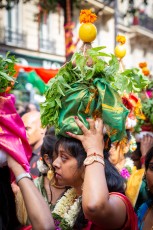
x=134 y=184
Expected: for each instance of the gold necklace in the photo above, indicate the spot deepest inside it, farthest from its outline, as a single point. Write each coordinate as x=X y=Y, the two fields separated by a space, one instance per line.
x=56 y=186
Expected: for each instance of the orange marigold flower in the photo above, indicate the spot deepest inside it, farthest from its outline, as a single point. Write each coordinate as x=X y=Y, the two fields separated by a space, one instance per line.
x=142 y=64
x=121 y=39
x=87 y=16
x=145 y=71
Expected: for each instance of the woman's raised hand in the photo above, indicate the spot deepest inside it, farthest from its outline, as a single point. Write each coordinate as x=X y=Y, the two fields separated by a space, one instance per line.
x=92 y=139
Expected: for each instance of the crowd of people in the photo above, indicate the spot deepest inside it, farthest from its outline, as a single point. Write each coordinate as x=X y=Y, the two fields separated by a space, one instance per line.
x=67 y=165
x=75 y=165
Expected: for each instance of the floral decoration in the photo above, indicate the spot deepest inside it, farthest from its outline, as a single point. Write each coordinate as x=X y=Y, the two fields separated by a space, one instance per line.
x=87 y=16
x=41 y=166
x=132 y=144
x=145 y=70
x=127 y=169
x=142 y=64
x=66 y=210
x=121 y=39
x=133 y=103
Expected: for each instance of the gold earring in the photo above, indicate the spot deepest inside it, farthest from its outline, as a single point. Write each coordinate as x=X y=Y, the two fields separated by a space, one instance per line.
x=50 y=173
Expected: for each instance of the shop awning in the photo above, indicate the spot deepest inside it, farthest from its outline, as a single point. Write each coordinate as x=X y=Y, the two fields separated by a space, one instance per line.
x=45 y=74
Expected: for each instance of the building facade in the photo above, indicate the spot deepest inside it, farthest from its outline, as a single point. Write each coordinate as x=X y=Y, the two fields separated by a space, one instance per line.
x=35 y=43
x=42 y=43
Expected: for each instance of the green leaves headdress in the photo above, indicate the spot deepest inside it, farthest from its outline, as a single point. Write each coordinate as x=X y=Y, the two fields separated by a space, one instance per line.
x=89 y=86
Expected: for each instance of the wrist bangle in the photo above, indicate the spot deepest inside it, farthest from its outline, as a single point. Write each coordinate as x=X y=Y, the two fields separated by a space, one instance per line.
x=94 y=158
x=95 y=154
x=23 y=175
x=142 y=160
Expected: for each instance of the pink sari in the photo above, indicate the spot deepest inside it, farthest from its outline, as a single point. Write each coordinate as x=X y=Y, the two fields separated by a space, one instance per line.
x=131 y=223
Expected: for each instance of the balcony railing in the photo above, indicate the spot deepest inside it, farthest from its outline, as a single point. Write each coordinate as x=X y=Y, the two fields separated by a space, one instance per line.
x=12 y=37
x=47 y=46
x=142 y=20
x=146 y=22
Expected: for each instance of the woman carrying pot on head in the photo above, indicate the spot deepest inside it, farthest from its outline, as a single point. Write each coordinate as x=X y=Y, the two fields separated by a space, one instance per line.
x=96 y=200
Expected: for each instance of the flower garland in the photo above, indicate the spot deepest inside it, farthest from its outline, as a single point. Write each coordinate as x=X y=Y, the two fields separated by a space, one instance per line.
x=66 y=210
x=127 y=169
x=41 y=166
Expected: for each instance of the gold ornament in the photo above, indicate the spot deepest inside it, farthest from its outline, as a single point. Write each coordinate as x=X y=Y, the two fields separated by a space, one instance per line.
x=50 y=173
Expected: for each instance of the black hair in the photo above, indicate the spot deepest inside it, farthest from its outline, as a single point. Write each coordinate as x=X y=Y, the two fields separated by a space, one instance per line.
x=149 y=156
x=48 y=145
x=50 y=131
x=114 y=180
x=8 y=218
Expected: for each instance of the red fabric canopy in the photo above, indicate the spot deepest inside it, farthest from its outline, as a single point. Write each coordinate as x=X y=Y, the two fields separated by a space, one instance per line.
x=45 y=74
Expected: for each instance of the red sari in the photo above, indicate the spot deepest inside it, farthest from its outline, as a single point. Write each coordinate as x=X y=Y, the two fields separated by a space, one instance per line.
x=131 y=222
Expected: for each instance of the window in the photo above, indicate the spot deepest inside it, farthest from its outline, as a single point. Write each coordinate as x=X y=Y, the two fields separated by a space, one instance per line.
x=45 y=42
x=13 y=33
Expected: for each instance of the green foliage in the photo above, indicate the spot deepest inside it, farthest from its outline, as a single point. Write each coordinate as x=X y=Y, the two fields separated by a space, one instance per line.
x=150 y=86
x=7 y=71
x=129 y=169
x=137 y=128
x=85 y=68
x=147 y=108
x=131 y=80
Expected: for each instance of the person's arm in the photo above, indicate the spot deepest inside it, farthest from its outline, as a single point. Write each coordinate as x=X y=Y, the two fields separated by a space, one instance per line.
x=37 y=209
x=98 y=206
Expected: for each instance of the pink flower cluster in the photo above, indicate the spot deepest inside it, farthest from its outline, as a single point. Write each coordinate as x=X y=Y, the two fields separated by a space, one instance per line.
x=125 y=173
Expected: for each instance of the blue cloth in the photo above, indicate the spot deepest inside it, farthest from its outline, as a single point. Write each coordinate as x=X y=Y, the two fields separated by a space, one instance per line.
x=141 y=213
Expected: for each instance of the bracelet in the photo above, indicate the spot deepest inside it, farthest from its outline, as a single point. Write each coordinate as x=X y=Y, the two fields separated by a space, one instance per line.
x=91 y=159
x=23 y=175
x=142 y=160
x=95 y=154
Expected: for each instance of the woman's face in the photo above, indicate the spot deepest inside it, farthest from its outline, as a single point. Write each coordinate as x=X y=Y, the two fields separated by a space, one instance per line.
x=66 y=169
x=116 y=153
x=149 y=176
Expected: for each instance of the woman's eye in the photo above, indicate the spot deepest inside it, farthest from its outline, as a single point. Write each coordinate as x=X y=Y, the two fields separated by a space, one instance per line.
x=64 y=158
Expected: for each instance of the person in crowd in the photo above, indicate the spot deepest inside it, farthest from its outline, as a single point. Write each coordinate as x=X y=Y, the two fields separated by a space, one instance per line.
x=118 y=154
x=31 y=107
x=35 y=134
x=145 y=220
x=8 y=218
x=96 y=199
x=136 y=156
x=146 y=143
x=50 y=131
x=46 y=183
x=37 y=209
x=20 y=108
